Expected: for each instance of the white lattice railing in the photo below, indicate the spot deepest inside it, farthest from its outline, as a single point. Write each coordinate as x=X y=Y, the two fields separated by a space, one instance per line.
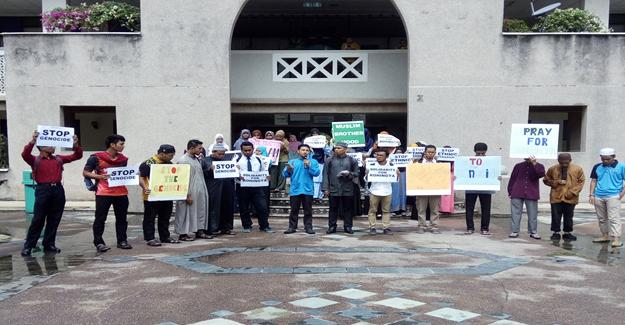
x=2 y=73
x=336 y=66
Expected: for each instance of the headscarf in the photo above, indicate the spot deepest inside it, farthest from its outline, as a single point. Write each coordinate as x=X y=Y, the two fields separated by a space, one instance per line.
x=263 y=151
x=293 y=145
x=218 y=136
x=259 y=133
x=237 y=144
x=272 y=135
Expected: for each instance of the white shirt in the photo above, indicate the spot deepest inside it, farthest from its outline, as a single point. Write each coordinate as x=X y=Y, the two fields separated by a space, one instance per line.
x=256 y=163
x=379 y=188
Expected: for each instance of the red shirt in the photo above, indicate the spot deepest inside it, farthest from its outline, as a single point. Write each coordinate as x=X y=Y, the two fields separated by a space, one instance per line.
x=49 y=169
x=101 y=161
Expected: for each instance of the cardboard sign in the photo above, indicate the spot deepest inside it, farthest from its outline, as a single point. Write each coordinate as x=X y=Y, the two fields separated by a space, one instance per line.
x=538 y=140
x=477 y=173
x=225 y=169
x=352 y=133
x=272 y=146
x=401 y=159
x=416 y=152
x=317 y=141
x=120 y=176
x=254 y=179
x=382 y=174
x=55 y=136
x=357 y=156
x=169 y=182
x=428 y=179
x=388 y=141
x=447 y=154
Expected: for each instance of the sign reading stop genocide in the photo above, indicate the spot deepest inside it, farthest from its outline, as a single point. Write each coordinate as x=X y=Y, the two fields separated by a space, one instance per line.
x=120 y=176
x=55 y=136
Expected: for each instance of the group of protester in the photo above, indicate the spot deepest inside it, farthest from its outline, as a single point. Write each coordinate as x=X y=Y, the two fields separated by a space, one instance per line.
x=312 y=174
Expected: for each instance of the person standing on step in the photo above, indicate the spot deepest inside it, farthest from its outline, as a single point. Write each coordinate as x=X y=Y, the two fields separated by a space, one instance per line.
x=524 y=188
x=302 y=171
x=380 y=193
x=338 y=175
x=220 y=219
x=47 y=171
x=105 y=196
x=606 y=193
x=424 y=202
x=191 y=213
x=252 y=199
x=566 y=181
x=156 y=209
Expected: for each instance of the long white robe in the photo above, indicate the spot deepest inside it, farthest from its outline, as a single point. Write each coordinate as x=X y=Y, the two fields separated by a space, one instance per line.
x=190 y=217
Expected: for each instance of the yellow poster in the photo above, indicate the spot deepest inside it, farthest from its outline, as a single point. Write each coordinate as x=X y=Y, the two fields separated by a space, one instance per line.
x=428 y=179
x=169 y=182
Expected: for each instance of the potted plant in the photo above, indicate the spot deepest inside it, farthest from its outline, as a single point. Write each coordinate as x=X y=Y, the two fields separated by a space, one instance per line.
x=115 y=17
x=70 y=19
x=570 y=20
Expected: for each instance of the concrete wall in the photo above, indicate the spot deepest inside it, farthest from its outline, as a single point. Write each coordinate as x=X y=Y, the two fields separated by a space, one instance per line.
x=467 y=82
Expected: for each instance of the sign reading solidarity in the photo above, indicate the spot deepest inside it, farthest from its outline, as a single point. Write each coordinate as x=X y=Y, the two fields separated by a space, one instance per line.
x=272 y=146
x=401 y=159
x=387 y=140
x=225 y=169
x=447 y=154
x=120 y=176
x=428 y=179
x=352 y=133
x=55 y=136
x=254 y=179
x=538 y=140
x=169 y=182
x=382 y=174
x=477 y=173
x=357 y=156
x=316 y=141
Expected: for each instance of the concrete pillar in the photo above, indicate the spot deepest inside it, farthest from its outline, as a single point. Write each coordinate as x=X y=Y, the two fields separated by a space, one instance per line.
x=601 y=8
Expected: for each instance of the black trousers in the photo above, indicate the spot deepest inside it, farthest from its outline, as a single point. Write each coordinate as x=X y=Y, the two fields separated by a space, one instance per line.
x=49 y=206
x=558 y=212
x=306 y=202
x=102 y=206
x=153 y=210
x=485 y=202
x=344 y=206
x=252 y=200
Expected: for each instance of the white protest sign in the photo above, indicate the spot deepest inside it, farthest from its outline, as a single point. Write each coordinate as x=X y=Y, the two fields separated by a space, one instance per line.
x=477 y=173
x=317 y=141
x=416 y=152
x=225 y=169
x=382 y=174
x=370 y=162
x=538 y=140
x=401 y=159
x=447 y=154
x=121 y=176
x=272 y=146
x=55 y=136
x=387 y=140
x=254 y=179
x=266 y=162
x=357 y=156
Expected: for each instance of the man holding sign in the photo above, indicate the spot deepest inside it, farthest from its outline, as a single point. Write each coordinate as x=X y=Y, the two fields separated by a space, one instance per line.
x=47 y=171
x=380 y=192
x=252 y=197
x=523 y=188
x=220 y=190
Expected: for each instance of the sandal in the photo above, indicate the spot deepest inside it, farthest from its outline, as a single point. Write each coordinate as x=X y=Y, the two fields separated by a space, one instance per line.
x=171 y=241
x=185 y=238
x=203 y=236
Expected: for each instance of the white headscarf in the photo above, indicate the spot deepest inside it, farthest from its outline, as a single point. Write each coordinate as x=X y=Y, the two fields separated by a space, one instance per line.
x=217 y=136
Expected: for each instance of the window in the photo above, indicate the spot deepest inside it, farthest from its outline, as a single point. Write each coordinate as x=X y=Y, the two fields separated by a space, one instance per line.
x=91 y=123
x=572 y=121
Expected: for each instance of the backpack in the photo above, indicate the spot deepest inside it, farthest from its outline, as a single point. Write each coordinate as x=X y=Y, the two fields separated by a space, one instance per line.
x=92 y=184
x=37 y=162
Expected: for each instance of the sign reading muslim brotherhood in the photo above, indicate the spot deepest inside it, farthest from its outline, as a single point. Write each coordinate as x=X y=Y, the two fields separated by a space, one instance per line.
x=428 y=179
x=477 y=173
x=352 y=133
x=316 y=141
x=55 y=136
x=538 y=140
x=169 y=182
x=272 y=146
x=225 y=169
x=120 y=176
x=387 y=140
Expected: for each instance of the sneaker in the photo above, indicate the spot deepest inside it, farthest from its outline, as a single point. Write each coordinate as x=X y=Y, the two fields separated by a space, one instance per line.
x=331 y=230
x=486 y=233
x=569 y=236
x=102 y=248
x=616 y=243
x=290 y=231
x=555 y=236
x=387 y=231
x=372 y=231
x=435 y=231
x=514 y=235
x=246 y=230
x=310 y=231
x=602 y=239
x=154 y=243
x=268 y=230
x=469 y=232
x=124 y=245
x=535 y=236
x=420 y=230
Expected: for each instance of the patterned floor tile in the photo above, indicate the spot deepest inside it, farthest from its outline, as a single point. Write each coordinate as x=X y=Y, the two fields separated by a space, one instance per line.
x=353 y=293
x=506 y=322
x=455 y=315
x=399 y=303
x=360 y=313
x=270 y=303
x=266 y=313
x=313 y=302
x=222 y=313
x=217 y=321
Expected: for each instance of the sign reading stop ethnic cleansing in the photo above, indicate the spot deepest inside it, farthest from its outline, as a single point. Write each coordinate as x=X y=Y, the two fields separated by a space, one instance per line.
x=538 y=140
x=121 y=176
x=225 y=169
x=352 y=133
x=272 y=146
x=254 y=179
x=55 y=136
x=169 y=182
x=401 y=159
x=477 y=173
x=381 y=174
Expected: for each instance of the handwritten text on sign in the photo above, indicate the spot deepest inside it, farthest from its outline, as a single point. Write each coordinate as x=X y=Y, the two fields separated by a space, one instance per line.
x=169 y=182
x=538 y=140
x=225 y=169
x=382 y=174
x=477 y=173
x=387 y=140
x=55 y=136
x=254 y=179
x=317 y=141
x=120 y=176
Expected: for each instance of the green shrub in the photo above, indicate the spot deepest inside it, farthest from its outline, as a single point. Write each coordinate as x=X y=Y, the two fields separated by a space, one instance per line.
x=110 y=12
x=570 y=20
x=515 y=26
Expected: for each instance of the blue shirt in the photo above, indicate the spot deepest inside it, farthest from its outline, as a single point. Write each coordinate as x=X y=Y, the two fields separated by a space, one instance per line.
x=301 y=177
x=609 y=179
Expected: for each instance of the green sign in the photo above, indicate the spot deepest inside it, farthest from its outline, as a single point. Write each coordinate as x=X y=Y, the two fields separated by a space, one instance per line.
x=352 y=133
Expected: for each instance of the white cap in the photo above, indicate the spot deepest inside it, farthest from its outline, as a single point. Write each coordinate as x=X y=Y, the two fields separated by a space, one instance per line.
x=607 y=152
